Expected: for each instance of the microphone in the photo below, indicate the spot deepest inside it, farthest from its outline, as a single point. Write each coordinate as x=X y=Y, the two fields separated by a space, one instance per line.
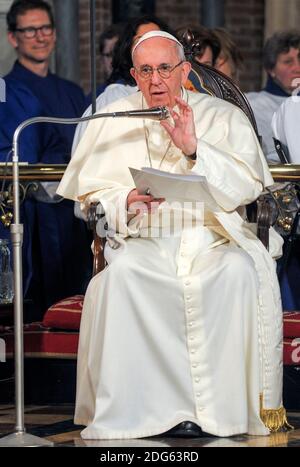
x=154 y=113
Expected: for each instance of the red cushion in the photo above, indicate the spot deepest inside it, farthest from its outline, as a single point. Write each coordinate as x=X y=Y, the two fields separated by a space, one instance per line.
x=291 y=324
x=65 y=314
x=41 y=342
x=291 y=351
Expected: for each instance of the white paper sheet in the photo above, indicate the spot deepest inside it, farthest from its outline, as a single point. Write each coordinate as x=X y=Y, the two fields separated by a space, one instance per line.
x=172 y=186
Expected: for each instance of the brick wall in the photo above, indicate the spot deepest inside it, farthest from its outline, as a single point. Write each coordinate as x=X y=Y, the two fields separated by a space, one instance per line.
x=245 y=20
x=178 y=13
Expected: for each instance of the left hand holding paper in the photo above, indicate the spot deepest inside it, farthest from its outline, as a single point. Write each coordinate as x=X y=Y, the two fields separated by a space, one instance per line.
x=139 y=203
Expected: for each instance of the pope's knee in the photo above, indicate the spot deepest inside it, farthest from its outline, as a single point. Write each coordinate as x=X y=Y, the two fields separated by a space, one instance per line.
x=121 y=266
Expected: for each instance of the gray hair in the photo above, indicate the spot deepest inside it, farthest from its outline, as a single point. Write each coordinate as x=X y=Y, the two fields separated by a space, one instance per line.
x=180 y=51
x=280 y=42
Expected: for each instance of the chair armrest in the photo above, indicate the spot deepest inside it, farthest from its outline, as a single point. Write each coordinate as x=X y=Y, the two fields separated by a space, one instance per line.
x=260 y=213
x=264 y=218
x=276 y=207
x=264 y=212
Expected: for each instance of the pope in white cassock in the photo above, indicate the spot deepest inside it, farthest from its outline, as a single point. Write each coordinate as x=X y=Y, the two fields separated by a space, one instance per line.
x=184 y=324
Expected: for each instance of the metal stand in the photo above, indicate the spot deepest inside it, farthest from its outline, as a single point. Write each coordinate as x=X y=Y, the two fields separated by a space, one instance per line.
x=93 y=53
x=23 y=439
x=19 y=437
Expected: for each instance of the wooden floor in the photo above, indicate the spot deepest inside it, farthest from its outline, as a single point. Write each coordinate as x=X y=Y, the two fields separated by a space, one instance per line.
x=55 y=423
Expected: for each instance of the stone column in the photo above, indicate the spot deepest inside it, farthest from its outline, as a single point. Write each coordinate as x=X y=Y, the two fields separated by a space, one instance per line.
x=281 y=14
x=212 y=13
x=67 y=48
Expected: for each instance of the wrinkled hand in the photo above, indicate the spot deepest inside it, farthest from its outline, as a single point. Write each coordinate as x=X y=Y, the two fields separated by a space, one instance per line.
x=183 y=133
x=137 y=203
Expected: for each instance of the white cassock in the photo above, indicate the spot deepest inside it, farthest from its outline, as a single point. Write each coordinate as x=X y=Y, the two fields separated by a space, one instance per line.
x=187 y=326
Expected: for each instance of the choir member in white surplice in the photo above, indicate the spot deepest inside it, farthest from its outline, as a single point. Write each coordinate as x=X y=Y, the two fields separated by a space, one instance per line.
x=187 y=326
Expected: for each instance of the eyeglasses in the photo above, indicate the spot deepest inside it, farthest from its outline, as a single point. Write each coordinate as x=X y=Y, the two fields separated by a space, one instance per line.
x=31 y=31
x=164 y=70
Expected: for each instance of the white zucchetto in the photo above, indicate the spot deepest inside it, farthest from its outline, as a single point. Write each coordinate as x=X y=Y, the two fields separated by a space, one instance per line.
x=151 y=34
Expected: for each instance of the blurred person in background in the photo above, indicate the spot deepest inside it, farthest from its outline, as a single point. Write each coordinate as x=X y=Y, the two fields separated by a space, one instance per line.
x=208 y=47
x=50 y=255
x=208 y=44
x=31 y=32
x=107 y=41
x=230 y=59
x=281 y=60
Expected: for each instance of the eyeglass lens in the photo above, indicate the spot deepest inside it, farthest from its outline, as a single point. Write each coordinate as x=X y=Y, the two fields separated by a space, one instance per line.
x=163 y=70
x=46 y=30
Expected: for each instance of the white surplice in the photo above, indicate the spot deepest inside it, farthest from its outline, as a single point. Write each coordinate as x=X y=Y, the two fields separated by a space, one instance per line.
x=186 y=326
x=264 y=105
x=285 y=126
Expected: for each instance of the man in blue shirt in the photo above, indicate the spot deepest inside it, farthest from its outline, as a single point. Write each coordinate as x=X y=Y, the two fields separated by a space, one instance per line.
x=31 y=32
x=33 y=90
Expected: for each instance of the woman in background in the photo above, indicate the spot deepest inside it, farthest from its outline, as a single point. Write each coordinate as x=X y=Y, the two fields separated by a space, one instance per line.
x=230 y=59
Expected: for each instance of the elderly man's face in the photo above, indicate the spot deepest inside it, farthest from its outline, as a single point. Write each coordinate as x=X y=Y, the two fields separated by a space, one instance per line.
x=159 y=52
x=287 y=69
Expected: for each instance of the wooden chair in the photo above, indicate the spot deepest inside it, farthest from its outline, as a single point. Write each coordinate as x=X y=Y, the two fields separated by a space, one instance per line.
x=280 y=207
x=206 y=79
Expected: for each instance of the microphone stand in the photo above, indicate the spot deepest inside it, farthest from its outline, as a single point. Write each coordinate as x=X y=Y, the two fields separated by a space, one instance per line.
x=19 y=437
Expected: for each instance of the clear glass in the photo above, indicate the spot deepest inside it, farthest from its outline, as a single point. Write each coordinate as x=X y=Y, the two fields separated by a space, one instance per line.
x=164 y=70
x=6 y=274
x=31 y=32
